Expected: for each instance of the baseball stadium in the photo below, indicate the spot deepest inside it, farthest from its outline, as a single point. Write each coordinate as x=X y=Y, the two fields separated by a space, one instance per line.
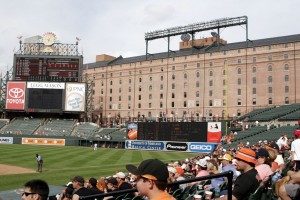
x=185 y=107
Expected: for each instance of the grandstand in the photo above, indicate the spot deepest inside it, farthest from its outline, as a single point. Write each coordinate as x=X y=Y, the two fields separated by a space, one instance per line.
x=57 y=127
x=22 y=126
x=275 y=113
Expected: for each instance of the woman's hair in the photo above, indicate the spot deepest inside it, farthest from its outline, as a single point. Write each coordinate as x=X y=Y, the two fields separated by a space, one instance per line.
x=272 y=154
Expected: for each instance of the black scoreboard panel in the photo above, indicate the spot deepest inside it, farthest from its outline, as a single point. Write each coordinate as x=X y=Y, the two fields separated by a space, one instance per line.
x=58 y=69
x=173 y=131
x=45 y=100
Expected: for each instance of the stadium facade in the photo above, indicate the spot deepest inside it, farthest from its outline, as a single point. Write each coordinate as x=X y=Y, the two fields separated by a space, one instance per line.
x=215 y=80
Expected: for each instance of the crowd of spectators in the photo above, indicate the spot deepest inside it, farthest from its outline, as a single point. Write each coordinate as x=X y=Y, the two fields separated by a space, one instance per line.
x=251 y=164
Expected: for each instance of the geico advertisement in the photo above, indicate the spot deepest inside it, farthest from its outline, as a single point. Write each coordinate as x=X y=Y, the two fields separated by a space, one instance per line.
x=75 y=97
x=44 y=141
x=201 y=147
x=15 y=96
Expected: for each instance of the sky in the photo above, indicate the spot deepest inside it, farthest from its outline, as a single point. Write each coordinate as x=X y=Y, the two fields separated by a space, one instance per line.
x=118 y=27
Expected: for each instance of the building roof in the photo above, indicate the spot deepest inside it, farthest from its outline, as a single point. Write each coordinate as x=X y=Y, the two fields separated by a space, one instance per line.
x=185 y=52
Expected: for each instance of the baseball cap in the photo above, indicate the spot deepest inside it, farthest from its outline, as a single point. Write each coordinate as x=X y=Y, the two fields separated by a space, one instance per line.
x=227 y=156
x=92 y=181
x=247 y=155
x=262 y=152
x=119 y=175
x=112 y=181
x=180 y=170
x=202 y=163
x=273 y=145
x=297 y=133
x=172 y=170
x=153 y=169
x=78 y=179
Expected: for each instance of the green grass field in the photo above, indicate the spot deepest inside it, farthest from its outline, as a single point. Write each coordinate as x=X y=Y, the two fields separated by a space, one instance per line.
x=63 y=163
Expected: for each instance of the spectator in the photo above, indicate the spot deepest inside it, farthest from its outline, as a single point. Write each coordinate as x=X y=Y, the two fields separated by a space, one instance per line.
x=289 y=191
x=122 y=185
x=101 y=185
x=227 y=166
x=279 y=159
x=172 y=171
x=112 y=185
x=36 y=189
x=264 y=164
x=179 y=176
x=152 y=179
x=295 y=150
x=202 y=168
x=92 y=186
x=246 y=183
x=78 y=184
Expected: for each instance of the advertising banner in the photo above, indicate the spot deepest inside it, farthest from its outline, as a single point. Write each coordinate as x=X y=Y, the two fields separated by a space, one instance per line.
x=6 y=140
x=132 y=130
x=46 y=85
x=44 y=141
x=15 y=95
x=75 y=97
x=144 y=144
x=201 y=147
x=214 y=133
x=176 y=146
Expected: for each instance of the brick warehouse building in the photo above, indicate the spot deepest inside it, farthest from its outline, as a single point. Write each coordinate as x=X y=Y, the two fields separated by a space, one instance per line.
x=215 y=80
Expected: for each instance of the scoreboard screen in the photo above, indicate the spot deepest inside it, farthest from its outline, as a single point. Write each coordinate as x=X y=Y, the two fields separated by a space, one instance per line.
x=54 y=69
x=50 y=99
x=173 y=131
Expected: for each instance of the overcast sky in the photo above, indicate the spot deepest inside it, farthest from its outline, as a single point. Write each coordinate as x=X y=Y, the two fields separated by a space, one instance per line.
x=117 y=27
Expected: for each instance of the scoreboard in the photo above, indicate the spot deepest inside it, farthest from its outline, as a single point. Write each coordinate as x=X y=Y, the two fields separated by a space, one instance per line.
x=47 y=68
x=173 y=131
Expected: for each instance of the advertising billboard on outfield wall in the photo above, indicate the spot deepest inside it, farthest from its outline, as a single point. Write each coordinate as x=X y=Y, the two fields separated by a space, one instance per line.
x=44 y=141
x=15 y=95
x=75 y=97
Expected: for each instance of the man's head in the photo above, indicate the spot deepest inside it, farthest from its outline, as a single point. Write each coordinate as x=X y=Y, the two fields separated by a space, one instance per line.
x=226 y=159
x=152 y=174
x=36 y=190
x=78 y=182
x=246 y=159
x=92 y=182
x=120 y=176
x=112 y=183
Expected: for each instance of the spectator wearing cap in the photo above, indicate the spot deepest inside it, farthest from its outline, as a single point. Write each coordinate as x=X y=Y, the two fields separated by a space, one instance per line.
x=78 y=184
x=227 y=165
x=295 y=149
x=263 y=166
x=112 y=185
x=92 y=186
x=179 y=177
x=152 y=179
x=122 y=185
x=247 y=182
x=172 y=171
x=202 y=168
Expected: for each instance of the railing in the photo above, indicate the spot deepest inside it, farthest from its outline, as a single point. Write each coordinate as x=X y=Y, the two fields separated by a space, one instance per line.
x=228 y=175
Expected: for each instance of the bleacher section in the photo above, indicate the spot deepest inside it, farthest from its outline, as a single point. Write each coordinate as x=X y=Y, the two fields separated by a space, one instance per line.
x=255 y=112
x=57 y=127
x=86 y=130
x=292 y=116
x=275 y=113
x=119 y=135
x=23 y=126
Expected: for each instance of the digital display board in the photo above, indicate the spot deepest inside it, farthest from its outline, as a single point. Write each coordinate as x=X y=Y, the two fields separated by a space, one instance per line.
x=54 y=69
x=173 y=131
